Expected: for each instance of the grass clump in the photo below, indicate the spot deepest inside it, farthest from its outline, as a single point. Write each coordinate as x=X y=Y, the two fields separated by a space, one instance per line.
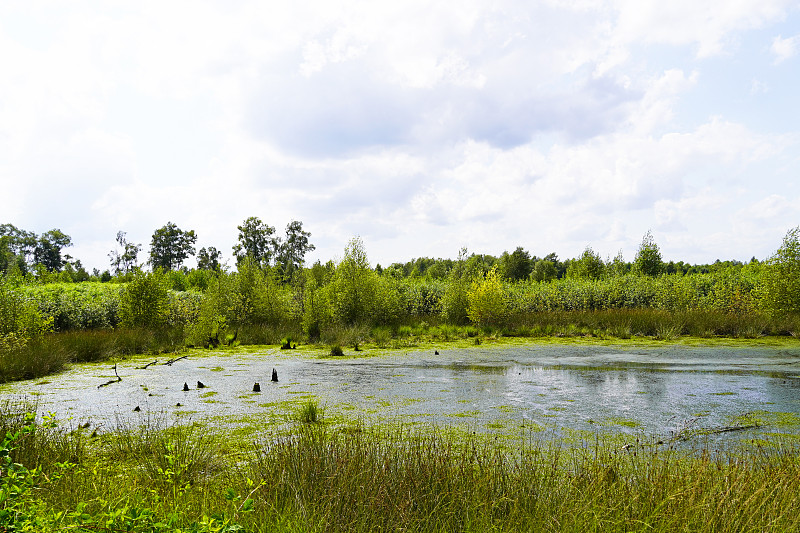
x=309 y=412
x=336 y=351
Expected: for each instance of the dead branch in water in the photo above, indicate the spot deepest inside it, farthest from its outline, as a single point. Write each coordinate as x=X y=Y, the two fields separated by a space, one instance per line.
x=145 y=366
x=113 y=380
x=169 y=363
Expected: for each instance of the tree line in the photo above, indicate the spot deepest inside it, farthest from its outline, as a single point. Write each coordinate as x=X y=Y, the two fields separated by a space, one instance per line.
x=23 y=252
x=282 y=257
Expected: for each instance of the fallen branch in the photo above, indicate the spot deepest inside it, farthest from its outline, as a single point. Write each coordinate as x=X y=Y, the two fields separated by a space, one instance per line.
x=113 y=380
x=176 y=359
x=145 y=366
x=699 y=432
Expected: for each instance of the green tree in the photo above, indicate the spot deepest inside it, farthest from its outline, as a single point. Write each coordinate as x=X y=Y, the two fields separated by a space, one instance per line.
x=517 y=265
x=124 y=260
x=781 y=276
x=618 y=266
x=588 y=266
x=145 y=300
x=48 y=250
x=170 y=246
x=257 y=242
x=544 y=270
x=208 y=259
x=648 y=259
x=354 y=285
x=487 y=300
x=459 y=280
x=294 y=248
x=20 y=243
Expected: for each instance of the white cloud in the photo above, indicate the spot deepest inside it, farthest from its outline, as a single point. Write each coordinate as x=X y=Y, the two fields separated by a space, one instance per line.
x=784 y=49
x=420 y=126
x=709 y=26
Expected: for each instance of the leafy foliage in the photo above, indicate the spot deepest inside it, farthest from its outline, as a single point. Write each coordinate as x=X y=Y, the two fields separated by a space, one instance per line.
x=648 y=258
x=588 y=266
x=517 y=265
x=20 y=319
x=257 y=242
x=294 y=247
x=782 y=276
x=208 y=259
x=354 y=286
x=48 y=250
x=170 y=246
x=145 y=300
x=455 y=301
x=124 y=260
x=487 y=300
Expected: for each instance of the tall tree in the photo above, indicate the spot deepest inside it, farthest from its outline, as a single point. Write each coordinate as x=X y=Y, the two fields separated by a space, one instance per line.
x=354 y=285
x=170 y=246
x=48 y=249
x=208 y=259
x=20 y=243
x=648 y=258
x=124 y=261
x=256 y=241
x=517 y=265
x=294 y=248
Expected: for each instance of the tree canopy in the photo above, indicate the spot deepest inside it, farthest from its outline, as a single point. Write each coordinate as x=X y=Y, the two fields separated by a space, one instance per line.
x=256 y=241
x=648 y=258
x=170 y=247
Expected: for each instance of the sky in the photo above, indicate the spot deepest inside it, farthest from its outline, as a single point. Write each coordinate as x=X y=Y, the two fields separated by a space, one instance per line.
x=419 y=126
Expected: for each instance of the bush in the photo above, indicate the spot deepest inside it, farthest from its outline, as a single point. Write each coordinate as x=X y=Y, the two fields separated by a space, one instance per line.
x=145 y=301
x=20 y=319
x=781 y=277
x=487 y=301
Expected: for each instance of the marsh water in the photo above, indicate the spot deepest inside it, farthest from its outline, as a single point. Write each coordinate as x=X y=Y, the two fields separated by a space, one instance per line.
x=654 y=391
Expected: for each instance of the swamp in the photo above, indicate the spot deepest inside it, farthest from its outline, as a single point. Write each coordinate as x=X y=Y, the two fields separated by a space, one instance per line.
x=501 y=436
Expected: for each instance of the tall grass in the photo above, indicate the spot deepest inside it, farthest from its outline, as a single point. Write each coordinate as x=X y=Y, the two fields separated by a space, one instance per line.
x=396 y=479
x=323 y=478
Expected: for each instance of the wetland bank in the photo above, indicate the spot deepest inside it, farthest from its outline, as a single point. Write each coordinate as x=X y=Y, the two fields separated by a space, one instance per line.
x=613 y=398
x=515 y=436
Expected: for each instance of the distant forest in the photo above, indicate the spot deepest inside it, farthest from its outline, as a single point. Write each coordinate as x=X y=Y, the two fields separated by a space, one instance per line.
x=43 y=257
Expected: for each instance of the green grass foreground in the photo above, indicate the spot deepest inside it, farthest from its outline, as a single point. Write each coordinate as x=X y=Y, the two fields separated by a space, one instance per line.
x=316 y=477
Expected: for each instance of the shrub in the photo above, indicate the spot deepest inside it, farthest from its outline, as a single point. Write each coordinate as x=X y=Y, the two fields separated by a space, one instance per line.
x=487 y=301
x=145 y=300
x=20 y=319
x=781 y=277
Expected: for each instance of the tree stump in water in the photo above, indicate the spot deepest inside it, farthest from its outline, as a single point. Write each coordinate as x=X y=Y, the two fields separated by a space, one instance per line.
x=274 y=375
x=256 y=387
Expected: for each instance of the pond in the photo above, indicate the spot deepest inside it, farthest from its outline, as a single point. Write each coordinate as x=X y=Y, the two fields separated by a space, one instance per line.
x=652 y=391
